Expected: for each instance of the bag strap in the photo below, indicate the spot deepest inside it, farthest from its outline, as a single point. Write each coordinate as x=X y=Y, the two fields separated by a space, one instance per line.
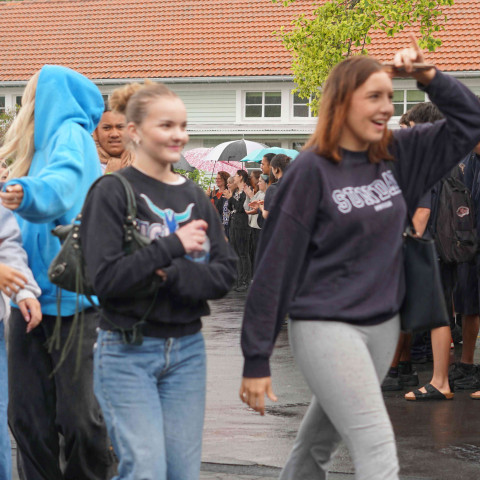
x=132 y=335
x=131 y=203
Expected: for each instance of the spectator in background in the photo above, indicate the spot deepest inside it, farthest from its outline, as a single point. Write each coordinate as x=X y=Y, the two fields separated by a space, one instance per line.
x=465 y=375
x=427 y=112
x=110 y=143
x=402 y=373
x=265 y=166
x=239 y=229
x=254 y=176
x=253 y=216
x=219 y=200
x=403 y=122
x=278 y=167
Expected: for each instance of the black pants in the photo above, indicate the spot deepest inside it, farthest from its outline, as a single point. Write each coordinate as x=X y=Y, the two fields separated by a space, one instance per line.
x=239 y=241
x=254 y=235
x=41 y=407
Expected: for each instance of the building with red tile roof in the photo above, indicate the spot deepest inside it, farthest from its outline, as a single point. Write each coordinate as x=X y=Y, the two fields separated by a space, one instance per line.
x=220 y=56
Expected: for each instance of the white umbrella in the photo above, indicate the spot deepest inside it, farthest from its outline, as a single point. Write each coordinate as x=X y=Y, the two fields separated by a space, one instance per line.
x=232 y=151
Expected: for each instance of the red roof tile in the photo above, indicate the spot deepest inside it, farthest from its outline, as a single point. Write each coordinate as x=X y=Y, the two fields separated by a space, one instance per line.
x=115 y=39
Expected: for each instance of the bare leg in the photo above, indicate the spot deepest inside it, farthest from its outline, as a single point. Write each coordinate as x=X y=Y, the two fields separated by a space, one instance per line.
x=441 y=340
x=406 y=353
x=470 y=328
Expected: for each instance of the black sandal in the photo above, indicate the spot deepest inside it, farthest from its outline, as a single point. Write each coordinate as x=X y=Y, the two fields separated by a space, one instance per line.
x=432 y=393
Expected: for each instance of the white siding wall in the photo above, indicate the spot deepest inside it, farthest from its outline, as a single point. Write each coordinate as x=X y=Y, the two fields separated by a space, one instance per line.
x=209 y=106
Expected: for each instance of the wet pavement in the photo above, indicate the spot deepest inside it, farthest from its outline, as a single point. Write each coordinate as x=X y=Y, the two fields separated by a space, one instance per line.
x=436 y=440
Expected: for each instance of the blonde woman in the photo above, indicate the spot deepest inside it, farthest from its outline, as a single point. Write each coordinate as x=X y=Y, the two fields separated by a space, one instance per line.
x=55 y=162
x=152 y=389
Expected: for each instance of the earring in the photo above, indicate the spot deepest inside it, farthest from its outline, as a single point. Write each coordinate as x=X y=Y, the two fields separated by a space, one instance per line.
x=137 y=141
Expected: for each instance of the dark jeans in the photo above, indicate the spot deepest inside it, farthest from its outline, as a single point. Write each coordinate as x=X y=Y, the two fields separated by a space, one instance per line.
x=239 y=241
x=41 y=407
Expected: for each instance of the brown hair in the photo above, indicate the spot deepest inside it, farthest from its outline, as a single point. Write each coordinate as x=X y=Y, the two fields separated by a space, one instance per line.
x=337 y=93
x=133 y=99
x=225 y=175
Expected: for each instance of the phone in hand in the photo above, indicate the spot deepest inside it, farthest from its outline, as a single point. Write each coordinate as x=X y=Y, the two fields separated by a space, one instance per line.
x=417 y=67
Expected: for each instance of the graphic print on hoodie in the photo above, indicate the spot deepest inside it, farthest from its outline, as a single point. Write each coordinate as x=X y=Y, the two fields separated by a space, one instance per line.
x=171 y=221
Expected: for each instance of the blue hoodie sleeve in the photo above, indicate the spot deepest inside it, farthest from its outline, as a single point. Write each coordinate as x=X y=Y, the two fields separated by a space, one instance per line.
x=65 y=175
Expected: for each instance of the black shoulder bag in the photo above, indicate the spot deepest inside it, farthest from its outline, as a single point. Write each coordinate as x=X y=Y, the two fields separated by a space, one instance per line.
x=67 y=271
x=424 y=305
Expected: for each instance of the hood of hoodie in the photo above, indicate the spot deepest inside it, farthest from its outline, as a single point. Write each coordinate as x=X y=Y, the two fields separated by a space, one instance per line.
x=64 y=95
x=68 y=107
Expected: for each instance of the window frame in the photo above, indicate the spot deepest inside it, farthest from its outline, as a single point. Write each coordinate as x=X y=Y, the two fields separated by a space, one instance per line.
x=405 y=102
x=306 y=104
x=262 y=105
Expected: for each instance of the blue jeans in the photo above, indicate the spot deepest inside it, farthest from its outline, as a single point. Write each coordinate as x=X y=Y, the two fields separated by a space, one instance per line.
x=153 y=400
x=5 y=446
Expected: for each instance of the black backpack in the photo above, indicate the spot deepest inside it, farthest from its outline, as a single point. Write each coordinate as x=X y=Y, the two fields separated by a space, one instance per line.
x=454 y=226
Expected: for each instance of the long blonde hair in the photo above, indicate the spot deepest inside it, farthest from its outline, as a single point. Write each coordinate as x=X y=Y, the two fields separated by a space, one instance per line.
x=19 y=139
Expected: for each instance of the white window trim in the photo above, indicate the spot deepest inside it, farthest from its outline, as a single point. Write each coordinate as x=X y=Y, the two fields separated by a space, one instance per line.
x=293 y=119
x=245 y=119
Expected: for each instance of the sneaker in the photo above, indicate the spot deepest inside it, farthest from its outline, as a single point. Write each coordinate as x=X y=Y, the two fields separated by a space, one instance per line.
x=459 y=371
x=408 y=375
x=419 y=359
x=391 y=383
x=241 y=288
x=470 y=382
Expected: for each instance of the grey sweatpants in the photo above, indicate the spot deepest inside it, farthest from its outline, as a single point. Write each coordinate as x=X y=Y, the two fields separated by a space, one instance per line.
x=343 y=365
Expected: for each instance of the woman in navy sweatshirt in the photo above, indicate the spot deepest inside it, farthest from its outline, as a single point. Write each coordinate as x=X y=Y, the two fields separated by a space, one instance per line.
x=333 y=262
x=149 y=376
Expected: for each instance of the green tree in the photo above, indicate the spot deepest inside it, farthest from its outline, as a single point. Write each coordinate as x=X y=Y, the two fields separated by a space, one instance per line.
x=339 y=28
x=201 y=178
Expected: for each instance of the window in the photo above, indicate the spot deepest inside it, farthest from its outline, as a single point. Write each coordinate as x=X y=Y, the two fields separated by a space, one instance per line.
x=105 y=98
x=18 y=100
x=263 y=104
x=298 y=145
x=2 y=104
x=300 y=106
x=403 y=100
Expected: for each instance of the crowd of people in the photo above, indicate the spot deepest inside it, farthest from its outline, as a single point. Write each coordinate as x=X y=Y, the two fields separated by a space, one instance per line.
x=133 y=407
x=242 y=202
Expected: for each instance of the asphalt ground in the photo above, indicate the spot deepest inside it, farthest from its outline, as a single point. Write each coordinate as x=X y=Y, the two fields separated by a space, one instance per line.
x=436 y=440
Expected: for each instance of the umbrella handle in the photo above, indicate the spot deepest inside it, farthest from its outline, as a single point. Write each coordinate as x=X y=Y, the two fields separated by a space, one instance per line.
x=213 y=169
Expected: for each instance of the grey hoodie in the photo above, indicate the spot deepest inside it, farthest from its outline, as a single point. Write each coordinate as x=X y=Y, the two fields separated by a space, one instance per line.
x=13 y=255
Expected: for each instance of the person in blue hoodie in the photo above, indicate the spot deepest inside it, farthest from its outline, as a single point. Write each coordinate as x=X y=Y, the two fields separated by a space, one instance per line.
x=55 y=162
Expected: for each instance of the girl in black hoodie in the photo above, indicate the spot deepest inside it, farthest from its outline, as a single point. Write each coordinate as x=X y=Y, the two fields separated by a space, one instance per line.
x=149 y=376
x=331 y=257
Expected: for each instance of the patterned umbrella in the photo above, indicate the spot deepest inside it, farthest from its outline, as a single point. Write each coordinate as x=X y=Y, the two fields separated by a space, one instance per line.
x=233 y=151
x=197 y=157
x=182 y=164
